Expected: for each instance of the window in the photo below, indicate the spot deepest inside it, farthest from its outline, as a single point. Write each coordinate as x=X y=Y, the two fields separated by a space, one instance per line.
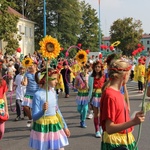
x=19 y=28
x=147 y=48
x=142 y=42
x=147 y=42
x=26 y=31
x=31 y=32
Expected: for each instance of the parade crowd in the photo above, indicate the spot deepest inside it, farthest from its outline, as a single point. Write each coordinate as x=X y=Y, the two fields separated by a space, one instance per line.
x=102 y=95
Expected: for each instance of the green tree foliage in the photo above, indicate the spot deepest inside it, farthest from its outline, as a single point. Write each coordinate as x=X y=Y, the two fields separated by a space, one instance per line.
x=8 y=27
x=89 y=28
x=128 y=32
x=67 y=20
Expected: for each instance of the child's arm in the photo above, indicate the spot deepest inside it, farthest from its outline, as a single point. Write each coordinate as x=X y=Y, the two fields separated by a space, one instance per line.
x=37 y=113
x=6 y=105
x=66 y=130
x=114 y=128
x=24 y=81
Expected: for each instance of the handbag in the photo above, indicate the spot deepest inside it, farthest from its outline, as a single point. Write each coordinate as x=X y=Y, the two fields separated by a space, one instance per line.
x=121 y=148
x=3 y=118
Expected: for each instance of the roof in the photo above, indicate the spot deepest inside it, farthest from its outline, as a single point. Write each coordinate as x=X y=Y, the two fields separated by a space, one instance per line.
x=16 y=13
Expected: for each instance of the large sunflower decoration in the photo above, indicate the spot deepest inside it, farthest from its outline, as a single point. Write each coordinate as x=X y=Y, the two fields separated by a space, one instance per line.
x=81 y=57
x=27 y=62
x=49 y=47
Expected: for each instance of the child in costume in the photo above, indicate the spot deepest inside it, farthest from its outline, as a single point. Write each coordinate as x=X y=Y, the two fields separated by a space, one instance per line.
x=82 y=99
x=115 y=121
x=49 y=131
x=96 y=81
x=20 y=91
x=3 y=105
x=140 y=75
x=31 y=88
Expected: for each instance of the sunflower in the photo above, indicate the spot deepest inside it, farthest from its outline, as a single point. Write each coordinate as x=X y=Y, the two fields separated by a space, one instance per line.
x=27 y=62
x=49 y=47
x=81 y=57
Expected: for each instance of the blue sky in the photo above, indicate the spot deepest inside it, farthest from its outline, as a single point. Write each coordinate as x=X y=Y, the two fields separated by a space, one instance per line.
x=111 y=10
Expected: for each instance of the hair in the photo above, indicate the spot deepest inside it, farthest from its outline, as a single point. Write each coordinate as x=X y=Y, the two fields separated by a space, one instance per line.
x=110 y=58
x=1 y=79
x=42 y=81
x=116 y=70
x=93 y=67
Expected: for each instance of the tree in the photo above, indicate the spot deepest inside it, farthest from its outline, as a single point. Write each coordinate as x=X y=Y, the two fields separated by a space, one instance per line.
x=8 y=27
x=62 y=20
x=128 y=32
x=89 y=28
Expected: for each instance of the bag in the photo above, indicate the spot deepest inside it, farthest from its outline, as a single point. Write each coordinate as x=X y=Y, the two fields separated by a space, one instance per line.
x=3 y=118
x=121 y=148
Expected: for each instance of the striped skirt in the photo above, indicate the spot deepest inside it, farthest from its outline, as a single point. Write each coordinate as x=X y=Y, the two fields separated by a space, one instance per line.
x=47 y=133
x=109 y=142
x=96 y=97
x=82 y=98
x=27 y=101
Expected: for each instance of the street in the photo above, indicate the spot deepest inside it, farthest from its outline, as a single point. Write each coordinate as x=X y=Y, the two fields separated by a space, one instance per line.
x=17 y=134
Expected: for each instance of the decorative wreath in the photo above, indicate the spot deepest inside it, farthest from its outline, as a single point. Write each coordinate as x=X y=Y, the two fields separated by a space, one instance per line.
x=81 y=57
x=49 y=47
x=27 y=62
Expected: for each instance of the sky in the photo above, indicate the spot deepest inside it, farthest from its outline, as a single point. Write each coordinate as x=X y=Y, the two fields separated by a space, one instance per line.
x=111 y=10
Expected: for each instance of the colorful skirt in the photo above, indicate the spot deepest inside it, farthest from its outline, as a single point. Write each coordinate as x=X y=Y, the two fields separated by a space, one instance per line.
x=47 y=133
x=27 y=101
x=96 y=97
x=109 y=142
x=82 y=98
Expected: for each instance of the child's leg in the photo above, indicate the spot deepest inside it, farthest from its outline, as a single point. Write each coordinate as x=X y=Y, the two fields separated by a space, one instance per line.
x=28 y=112
x=85 y=110
x=2 y=129
x=18 y=107
x=96 y=119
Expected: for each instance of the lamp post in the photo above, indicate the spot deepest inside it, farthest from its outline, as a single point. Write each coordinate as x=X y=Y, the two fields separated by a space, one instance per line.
x=44 y=17
x=99 y=26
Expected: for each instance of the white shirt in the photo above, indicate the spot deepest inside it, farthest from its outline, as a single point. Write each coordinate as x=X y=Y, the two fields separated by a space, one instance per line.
x=147 y=62
x=20 y=90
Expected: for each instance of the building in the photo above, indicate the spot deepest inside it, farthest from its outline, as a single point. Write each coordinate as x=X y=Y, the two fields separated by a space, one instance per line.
x=26 y=31
x=145 y=41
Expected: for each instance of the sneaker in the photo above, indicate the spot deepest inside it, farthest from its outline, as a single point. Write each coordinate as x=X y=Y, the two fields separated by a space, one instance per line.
x=98 y=135
x=17 y=118
x=90 y=116
x=82 y=124
x=29 y=122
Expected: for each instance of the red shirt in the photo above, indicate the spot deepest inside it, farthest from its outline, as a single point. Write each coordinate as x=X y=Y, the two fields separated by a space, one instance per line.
x=98 y=82
x=3 y=89
x=114 y=108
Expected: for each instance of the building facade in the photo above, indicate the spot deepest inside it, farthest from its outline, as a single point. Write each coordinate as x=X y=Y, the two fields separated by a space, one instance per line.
x=145 y=41
x=26 y=31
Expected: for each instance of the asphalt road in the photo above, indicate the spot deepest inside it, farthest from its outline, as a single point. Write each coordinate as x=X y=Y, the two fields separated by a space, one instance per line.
x=17 y=134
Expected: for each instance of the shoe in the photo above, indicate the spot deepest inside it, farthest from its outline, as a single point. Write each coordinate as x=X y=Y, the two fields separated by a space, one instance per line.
x=17 y=118
x=67 y=96
x=90 y=116
x=82 y=124
x=29 y=122
x=98 y=135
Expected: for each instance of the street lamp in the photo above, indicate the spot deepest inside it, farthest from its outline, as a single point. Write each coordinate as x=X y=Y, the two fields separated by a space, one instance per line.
x=44 y=17
x=99 y=26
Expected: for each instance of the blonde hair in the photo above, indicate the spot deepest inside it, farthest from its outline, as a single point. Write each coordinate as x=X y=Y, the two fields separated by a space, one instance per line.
x=117 y=69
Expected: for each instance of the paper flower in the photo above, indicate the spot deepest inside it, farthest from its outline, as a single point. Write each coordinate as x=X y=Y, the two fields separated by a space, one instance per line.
x=81 y=57
x=50 y=48
x=27 y=62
